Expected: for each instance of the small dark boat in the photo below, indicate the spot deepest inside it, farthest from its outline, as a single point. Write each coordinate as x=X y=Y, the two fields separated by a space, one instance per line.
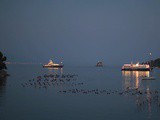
x=99 y=64
x=148 y=78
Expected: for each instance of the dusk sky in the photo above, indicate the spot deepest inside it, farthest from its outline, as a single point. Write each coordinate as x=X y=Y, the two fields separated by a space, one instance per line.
x=80 y=32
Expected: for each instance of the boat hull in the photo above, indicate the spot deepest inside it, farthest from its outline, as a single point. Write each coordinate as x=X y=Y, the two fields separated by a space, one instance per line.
x=135 y=69
x=60 y=66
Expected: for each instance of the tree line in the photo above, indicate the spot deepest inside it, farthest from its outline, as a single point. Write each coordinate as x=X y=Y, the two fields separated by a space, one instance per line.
x=153 y=63
x=2 y=61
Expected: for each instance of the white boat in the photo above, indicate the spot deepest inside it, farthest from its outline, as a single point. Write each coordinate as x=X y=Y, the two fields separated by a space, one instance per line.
x=53 y=65
x=136 y=67
x=148 y=78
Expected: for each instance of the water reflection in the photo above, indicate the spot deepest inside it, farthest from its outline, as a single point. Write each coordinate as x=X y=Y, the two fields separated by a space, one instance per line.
x=53 y=77
x=132 y=79
x=55 y=71
x=3 y=82
x=145 y=95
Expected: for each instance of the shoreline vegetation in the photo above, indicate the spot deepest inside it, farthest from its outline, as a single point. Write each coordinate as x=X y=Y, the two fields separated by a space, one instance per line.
x=153 y=63
x=3 y=67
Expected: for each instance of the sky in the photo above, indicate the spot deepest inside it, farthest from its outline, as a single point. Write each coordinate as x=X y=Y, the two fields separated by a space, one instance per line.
x=80 y=32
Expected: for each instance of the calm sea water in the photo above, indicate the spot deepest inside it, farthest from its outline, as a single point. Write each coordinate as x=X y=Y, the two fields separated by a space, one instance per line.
x=78 y=93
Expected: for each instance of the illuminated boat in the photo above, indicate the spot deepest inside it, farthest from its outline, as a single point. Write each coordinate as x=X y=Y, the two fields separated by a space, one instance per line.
x=99 y=64
x=53 y=65
x=136 y=67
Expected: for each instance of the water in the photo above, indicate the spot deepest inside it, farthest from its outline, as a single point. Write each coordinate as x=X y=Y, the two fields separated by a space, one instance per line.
x=91 y=93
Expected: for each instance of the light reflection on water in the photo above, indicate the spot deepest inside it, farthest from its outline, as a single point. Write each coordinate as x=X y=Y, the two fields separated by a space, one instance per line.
x=132 y=79
x=55 y=71
x=148 y=98
x=3 y=82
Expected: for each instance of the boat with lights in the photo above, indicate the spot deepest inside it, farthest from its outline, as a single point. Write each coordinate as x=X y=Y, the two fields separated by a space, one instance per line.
x=51 y=64
x=136 y=67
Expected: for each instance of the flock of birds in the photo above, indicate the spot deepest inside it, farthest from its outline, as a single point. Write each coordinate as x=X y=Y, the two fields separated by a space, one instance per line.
x=109 y=91
x=142 y=97
x=75 y=87
x=49 y=80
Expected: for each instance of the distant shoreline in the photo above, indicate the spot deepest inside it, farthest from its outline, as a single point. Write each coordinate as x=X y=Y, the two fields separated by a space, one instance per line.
x=22 y=63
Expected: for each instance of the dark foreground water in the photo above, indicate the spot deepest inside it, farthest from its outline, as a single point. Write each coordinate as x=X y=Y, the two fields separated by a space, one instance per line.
x=78 y=93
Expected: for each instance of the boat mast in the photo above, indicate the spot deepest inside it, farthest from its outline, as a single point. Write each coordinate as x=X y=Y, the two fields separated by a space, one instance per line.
x=61 y=61
x=150 y=54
